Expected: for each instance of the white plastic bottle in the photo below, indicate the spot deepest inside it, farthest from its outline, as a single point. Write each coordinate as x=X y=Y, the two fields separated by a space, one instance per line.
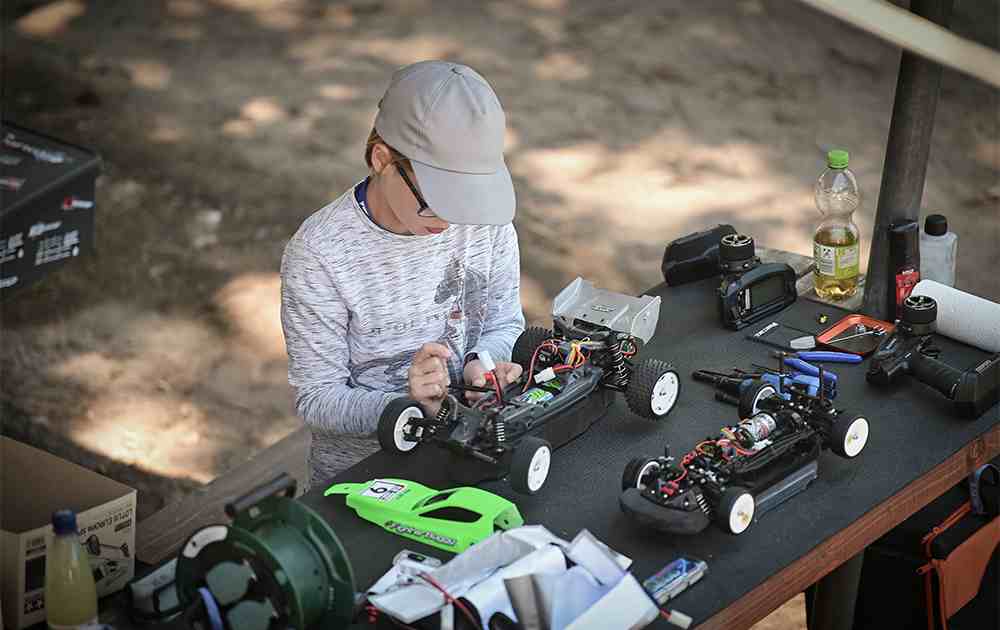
x=938 y=250
x=70 y=595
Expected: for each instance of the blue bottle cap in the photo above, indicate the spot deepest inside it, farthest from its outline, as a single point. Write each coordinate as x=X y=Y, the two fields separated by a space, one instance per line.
x=64 y=522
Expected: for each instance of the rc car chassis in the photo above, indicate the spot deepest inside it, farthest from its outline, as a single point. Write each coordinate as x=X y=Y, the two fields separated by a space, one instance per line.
x=597 y=333
x=746 y=470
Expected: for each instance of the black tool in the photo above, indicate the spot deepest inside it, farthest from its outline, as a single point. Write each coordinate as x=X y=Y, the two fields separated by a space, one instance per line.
x=470 y=388
x=909 y=350
x=751 y=290
x=878 y=331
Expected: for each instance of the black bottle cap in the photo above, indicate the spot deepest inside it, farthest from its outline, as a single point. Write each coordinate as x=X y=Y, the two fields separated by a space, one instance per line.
x=936 y=224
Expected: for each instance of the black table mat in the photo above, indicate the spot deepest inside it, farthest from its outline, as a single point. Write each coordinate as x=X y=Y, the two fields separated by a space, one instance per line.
x=913 y=429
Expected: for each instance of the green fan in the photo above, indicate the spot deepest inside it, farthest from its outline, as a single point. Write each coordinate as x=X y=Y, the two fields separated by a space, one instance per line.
x=277 y=565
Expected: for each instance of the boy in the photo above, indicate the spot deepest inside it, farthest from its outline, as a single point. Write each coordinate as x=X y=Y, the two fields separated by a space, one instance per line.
x=394 y=288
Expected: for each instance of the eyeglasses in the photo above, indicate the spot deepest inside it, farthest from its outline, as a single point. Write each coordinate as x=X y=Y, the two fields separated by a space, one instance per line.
x=424 y=210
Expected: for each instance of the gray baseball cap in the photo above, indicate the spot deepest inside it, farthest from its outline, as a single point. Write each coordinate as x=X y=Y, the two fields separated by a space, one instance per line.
x=449 y=122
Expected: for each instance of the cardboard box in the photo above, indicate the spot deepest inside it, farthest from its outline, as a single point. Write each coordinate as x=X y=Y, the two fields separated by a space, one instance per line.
x=46 y=205
x=35 y=484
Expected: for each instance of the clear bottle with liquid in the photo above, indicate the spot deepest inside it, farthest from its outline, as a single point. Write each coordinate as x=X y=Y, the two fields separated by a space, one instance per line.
x=837 y=240
x=70 y=594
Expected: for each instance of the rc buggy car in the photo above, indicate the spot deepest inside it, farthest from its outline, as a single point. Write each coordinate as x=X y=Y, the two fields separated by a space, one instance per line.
x=745 y=470
x=596 y=335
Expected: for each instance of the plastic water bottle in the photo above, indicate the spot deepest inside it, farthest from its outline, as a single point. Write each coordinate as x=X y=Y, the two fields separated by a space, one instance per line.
x=938 y=250
x=70 y=595
x=837 y=240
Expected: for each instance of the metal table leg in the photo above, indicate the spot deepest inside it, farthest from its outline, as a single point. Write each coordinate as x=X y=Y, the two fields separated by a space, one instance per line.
x=830 y=605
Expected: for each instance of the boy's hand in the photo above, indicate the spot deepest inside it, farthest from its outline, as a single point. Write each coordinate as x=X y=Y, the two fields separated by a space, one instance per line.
x=428 y=376
x=475 y=374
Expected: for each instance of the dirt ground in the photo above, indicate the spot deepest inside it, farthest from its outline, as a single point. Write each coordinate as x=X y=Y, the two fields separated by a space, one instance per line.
x=224 y=123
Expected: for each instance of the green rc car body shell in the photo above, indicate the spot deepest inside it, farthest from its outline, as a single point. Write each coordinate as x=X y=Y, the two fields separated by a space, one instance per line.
x=452 y=519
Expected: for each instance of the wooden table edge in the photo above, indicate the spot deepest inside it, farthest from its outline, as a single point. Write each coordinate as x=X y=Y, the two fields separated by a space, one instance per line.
x=848 y=542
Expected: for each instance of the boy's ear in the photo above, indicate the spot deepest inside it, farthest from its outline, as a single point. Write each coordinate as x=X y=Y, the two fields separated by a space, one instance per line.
x=381 y=157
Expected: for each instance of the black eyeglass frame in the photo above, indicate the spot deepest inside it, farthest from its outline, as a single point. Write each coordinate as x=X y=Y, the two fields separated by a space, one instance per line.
x=422 y=211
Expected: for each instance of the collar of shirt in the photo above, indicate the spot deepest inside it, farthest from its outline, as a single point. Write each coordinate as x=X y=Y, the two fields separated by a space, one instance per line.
x=361 y=195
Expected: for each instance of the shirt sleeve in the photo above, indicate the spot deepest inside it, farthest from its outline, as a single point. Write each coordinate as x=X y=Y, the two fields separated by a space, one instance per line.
x=504 y=316
x=314 y=319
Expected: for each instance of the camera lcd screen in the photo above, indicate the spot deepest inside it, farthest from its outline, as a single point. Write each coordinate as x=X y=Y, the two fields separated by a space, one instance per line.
x=766 y=291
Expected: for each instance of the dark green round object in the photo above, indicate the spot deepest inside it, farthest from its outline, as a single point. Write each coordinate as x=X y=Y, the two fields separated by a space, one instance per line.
x=278 y=565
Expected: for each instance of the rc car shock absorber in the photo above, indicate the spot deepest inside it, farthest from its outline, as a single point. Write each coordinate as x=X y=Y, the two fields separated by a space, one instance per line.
x=703 y=504
x=500 y=430
x=617 y=359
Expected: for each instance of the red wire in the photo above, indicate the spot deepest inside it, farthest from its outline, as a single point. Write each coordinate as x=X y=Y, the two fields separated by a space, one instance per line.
x=531 y=366
x=451 y=600
x=496 y=385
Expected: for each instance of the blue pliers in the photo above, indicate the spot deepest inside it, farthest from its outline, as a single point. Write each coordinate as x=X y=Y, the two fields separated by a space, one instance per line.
x=799 y=362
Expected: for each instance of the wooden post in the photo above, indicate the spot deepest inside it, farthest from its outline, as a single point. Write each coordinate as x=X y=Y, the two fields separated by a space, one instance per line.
x=905 y=163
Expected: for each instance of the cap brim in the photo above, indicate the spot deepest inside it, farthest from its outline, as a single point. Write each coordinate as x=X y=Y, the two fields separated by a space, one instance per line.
x=467 y=198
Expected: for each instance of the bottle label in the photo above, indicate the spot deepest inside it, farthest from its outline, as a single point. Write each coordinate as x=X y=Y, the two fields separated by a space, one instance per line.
x=836 y=261
x=82 y=626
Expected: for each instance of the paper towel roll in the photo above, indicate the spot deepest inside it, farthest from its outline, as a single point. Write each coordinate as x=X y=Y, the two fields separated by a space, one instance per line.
x=964 y=317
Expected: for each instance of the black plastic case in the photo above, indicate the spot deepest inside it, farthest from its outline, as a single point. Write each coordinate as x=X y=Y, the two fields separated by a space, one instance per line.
x=47 y=205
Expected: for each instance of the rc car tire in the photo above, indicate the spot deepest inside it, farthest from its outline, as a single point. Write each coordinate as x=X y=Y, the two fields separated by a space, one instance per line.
x=527 y=342
x=529 y=466
x=653 y=389
x=736 y=510
x=849 y=437
x=751 y=396
x=918 y=309
x=391 y=423
x=636 y=469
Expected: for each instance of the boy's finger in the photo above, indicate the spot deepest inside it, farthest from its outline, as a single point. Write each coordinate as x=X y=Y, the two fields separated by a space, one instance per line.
x=431 y=391
x=433 y=379
x=432 y=350
x=424 y=367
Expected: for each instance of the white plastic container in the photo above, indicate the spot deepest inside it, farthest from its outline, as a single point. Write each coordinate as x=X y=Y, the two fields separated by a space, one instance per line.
x=938 y=251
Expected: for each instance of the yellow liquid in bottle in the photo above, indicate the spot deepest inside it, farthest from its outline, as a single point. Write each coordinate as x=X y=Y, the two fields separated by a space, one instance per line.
x=70 y=596
x=831 y=283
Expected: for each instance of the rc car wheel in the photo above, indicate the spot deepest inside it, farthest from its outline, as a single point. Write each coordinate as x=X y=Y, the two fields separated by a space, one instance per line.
x=849 y=437
x=736 y=508
x=527 y=343
x=653 y=389
x=393 y=422
x=638 y=471
x=918 y=309
x=752 y=395
x=529 y=467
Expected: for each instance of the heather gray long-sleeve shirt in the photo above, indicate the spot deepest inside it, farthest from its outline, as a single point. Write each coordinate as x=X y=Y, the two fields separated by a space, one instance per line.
x=357 y=301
